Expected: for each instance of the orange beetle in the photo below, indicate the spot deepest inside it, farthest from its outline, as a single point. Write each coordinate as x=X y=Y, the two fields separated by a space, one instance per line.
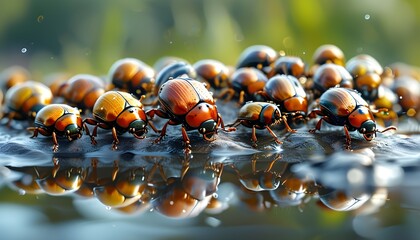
x=212 y=72
x=244 y=84
x=120 y=112
x=133 y=76
x=24 y=100
x=58 y=120
x=259 y=180
x=366 y=72
x=330 y=75
x=186 y=101
x=328 y=53
x=288 y=65
x=345 y=107
x=287 y=93
x=12 y=76
x=83 y=90
x=189 y=194
x=123 y=188
x=260 y=115
x=61 y=180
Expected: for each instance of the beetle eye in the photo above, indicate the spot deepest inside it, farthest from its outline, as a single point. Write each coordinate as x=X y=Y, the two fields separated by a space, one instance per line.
x=202 y=130
x=362 y=130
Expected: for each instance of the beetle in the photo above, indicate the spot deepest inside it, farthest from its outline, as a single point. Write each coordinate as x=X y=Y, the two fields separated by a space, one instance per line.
x=259 y=180
x=58 y=120
x=123 y=187
x=408 y=91
x=287 y=93
x=258 y=56
x=187 y=102
x=328 y=53
x=61 y=180
x=244 y=84
x=190 y=193
x=366 y=72
x=121 y=112
x=288 y=65
x=212 y=72
x=12 y=76
x=345 y=107
x=24 y=100
x=82 y=91
x=330 y=75
x=133 y=76
x=260 y=115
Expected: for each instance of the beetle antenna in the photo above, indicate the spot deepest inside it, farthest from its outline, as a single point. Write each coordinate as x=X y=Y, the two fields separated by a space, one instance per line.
x=387 y=129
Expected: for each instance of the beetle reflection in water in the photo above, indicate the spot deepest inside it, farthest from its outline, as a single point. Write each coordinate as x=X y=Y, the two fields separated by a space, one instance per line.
x=183 y=190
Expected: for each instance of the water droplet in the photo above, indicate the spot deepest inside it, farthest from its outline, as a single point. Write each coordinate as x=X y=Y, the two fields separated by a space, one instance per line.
x=183 y=211
x=40 y=18
x=108 y=208
x=22 y=192
x=170 y=42
x=400 y=97
x=304 y=53
x=367 y=16
x=171 y=203
x=24 y=50
x=282 y=53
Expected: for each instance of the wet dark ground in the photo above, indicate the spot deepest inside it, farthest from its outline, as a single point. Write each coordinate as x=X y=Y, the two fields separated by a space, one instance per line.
x=323 y=191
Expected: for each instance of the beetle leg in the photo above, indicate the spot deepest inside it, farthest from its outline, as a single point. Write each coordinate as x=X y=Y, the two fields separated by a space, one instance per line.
x=228 y=93
x=314 y=113
x=317 y=127
x=289 y=129
x=273 y=134
x=152 y=126
x=35 y=129
x=92 y=139
x=253 y=137
x=186 y=140
x=241 y=97
x=162 y=132
x=348 y=138
x=54 y=138
x=231 y=128
x=114 y=136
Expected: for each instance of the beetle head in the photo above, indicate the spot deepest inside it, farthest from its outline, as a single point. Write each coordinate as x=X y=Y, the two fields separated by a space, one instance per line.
x=138 y=128
x=208 y=129
x=368 y=129
x=73 y=132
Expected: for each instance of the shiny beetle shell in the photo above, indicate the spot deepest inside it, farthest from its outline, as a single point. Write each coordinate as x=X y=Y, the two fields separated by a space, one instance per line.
x=27 y=98
x=172 y=71
x=212 y=72
x=179 y=96
x=328 y=53
x=133 y=76
x=288 y=93
x=249 y=81
x=288 y=65
x=257 y=56
x=340 y=103
x=12 y=76
x=83 y=90
x=331 y=75
x=259 y=114
x=57 y=117
x=110 y=105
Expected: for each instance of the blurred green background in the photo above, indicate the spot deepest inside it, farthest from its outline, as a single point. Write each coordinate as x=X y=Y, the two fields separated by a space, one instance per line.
x=86 y=36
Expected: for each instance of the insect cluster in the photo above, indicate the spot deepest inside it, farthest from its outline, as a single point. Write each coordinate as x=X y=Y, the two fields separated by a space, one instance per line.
x=269 y=88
